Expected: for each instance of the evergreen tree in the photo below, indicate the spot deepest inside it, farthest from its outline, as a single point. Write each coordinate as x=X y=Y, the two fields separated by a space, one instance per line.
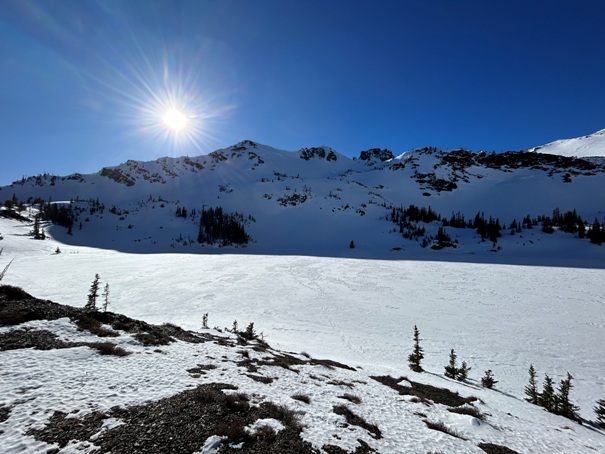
x=563 y=406
x=205 y=321
x=417 y=355
x=595 y=234
x=599 y=409
x=488 y=381
x=38 y=232
x=451 y=370
x=547 y=398
x=462 y=372
x=531 y=390
x=91 y=305
x=249 y=333
x=105 y=296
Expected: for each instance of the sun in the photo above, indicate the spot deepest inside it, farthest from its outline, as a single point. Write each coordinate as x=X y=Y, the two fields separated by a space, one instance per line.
x=175 y=120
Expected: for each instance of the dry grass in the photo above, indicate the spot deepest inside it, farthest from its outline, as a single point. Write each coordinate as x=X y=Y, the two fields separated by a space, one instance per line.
x=468 y=410
x=340 y=383
x=108 y=348
x=356 y=420
x=282 y=413
x=94 y=326
x=491 y=448
x=351 y=398
x=154 y=338
x=302 y=398
x=443 y=428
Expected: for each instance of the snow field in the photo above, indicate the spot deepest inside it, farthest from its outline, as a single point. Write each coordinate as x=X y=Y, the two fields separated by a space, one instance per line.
x=359 y=312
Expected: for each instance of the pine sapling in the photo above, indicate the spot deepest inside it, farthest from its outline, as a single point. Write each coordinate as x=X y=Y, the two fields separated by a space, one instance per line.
x=462 y=372
x=546 y=398
x=488 y=381
x=205 y=321
x=105 y=296
x=451 y=370
x=531 y=390
x=417 y=355
x=91 y=305
x=599 y=409
x=249 y=333
x=563 y=406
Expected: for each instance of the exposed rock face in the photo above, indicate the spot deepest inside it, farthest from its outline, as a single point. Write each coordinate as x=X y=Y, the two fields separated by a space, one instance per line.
x=374 y=155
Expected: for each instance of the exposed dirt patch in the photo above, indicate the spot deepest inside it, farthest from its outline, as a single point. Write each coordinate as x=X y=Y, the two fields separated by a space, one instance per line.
x=45 y=340
x=356 y=420
x=363 y=448
x=29 y=338
x=425 y=392
x=181 y=424
x=17 y=306
x=491 y=448
x=4 y=412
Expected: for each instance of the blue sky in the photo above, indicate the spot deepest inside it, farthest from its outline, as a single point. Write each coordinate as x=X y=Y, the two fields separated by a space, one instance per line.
x=84 y=84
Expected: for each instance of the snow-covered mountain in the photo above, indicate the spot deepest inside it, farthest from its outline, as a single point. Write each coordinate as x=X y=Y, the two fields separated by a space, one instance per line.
x=316 y=201
x=592 y=145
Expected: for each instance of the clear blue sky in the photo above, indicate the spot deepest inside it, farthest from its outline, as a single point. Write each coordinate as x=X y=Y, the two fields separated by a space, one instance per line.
x=84 y=84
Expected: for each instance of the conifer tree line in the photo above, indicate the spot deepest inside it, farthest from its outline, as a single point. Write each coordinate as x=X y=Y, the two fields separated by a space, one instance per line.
x=491 y=228
x=553 y=400
x=216 y=226
x=58 y=213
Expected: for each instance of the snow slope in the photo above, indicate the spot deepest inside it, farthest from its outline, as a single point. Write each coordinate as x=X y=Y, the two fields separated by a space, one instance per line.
x=359 y=312
x=581 y=147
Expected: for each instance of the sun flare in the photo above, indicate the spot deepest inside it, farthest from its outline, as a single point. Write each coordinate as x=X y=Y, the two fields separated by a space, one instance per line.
x=175 y=120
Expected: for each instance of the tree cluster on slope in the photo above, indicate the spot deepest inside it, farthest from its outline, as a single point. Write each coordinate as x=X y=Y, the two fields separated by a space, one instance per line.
x=557 y=402
x=489 y=227
x=93 y=294
x=553 y=400
x=217 y=226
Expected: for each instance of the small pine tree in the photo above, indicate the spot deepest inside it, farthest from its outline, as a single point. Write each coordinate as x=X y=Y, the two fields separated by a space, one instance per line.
x=563 y=406
x=599 y=409
x=205 y=321
x=249 y=333
x=234 y=328
x=488 y=381
x=451 y=370
x=105 y=296
x=38 y=231
x=462 y=372
x=531 y=390
x=417 y=355
x=546 y=398
x=91 y=305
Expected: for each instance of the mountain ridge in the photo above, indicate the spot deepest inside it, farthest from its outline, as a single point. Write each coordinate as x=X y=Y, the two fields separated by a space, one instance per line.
x=306 y=201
